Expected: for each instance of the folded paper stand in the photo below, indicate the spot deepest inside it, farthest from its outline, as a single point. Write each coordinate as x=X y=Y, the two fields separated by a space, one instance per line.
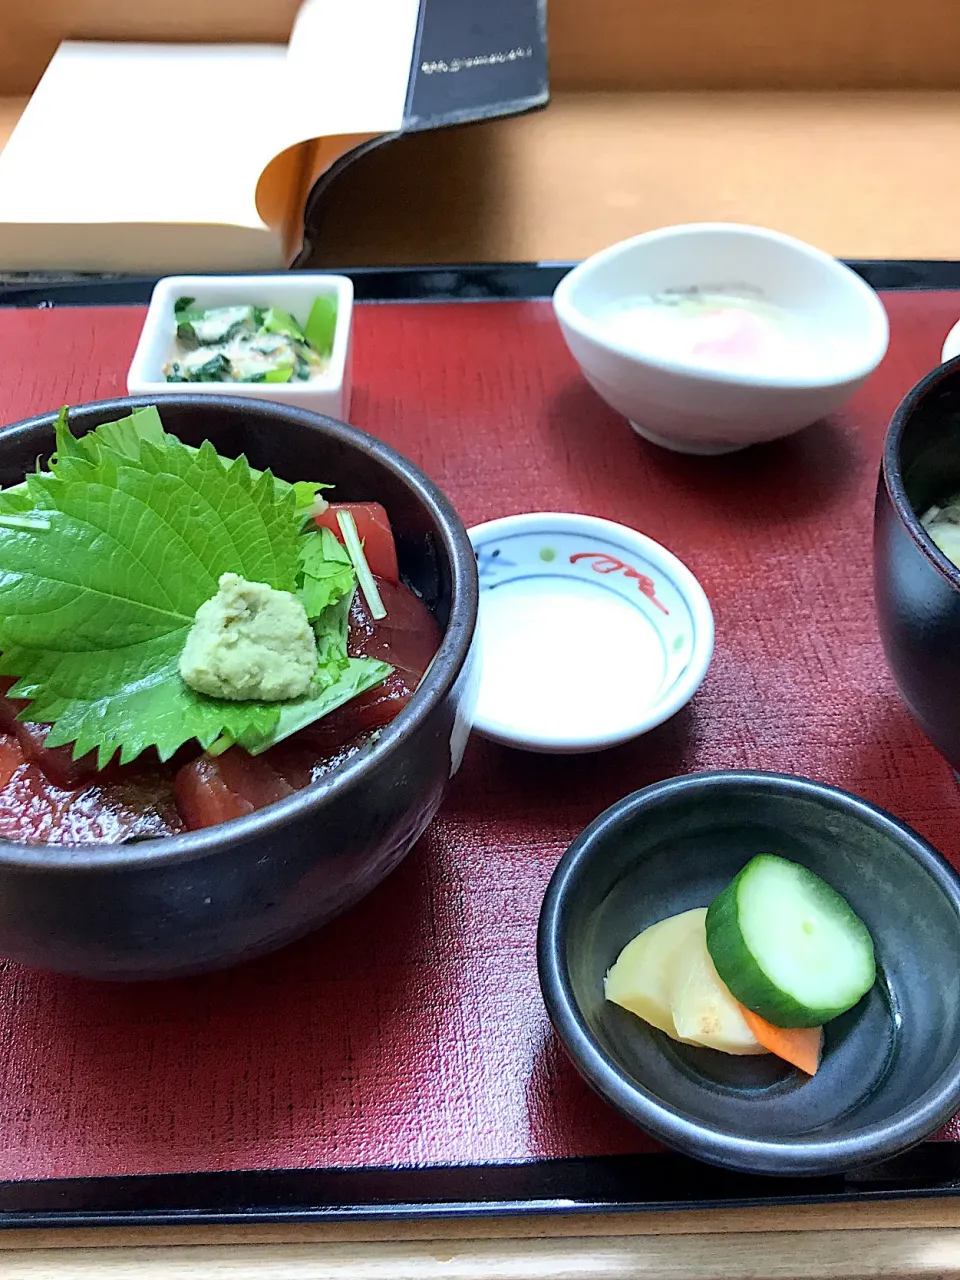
x=170 y=157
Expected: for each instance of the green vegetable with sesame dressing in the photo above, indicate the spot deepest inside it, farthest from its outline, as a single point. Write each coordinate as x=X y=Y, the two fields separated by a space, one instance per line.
x=250 y=344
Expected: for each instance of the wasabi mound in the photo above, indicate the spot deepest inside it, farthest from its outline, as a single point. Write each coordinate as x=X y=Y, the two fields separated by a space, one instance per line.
x=250 y=643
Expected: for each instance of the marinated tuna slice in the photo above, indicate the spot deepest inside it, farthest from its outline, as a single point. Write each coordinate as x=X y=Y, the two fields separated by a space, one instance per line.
x=407 y=638
x=36 y=810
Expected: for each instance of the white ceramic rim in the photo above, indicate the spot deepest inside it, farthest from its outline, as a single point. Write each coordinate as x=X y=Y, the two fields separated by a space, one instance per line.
x=873 y=308
x=683 y=580
x=951 y=344
x=170 y=287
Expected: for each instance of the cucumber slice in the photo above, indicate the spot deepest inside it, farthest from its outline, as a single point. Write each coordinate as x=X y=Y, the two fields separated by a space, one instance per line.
x=788 y=946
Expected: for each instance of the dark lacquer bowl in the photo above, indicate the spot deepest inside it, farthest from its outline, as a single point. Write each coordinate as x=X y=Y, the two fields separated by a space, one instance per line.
x=917 y=589
x=891 y=1066
x=217 y=896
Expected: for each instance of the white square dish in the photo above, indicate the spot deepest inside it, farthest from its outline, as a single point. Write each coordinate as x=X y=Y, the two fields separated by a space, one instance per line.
x=294 y=292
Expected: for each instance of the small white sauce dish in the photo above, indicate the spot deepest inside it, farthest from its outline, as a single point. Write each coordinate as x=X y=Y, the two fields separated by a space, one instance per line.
x=590 y=633
x=293 y=292
x=685 y=405
x=951 y=344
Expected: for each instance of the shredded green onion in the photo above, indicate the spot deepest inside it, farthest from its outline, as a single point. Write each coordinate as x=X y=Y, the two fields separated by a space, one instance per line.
x=222 y=744
x=351 y=539
x=37 y=523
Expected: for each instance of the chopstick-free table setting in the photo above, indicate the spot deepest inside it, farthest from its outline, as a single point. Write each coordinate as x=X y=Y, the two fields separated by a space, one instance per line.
x=399 y=1064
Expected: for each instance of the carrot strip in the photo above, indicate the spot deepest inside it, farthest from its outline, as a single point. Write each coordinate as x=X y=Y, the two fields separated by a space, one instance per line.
x=801 y=1046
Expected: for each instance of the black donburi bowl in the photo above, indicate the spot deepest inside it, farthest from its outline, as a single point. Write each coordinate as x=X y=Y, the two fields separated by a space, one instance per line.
x=917 y=589
x=211 y=898
x=891 y=1065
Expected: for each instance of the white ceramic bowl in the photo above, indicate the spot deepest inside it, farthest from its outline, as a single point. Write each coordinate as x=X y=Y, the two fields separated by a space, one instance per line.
x=589 y=633
x=691 y=409
x=294 y=292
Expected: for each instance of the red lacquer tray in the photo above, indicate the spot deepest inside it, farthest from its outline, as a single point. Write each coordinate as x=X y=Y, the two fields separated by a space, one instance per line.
x=401 y=1059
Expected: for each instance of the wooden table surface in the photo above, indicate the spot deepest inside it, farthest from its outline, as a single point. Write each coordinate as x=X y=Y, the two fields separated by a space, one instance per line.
x=899 y=1239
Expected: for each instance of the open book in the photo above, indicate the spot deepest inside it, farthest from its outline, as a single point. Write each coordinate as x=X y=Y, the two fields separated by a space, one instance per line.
x=168 y=158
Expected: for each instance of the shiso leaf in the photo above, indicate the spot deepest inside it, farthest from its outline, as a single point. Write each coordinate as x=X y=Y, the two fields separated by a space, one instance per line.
x=123 y=439
x=359 y=675
x=129 y=701
x=95 y=608
x=331 y=629
x=327 y=572
x=15 y=500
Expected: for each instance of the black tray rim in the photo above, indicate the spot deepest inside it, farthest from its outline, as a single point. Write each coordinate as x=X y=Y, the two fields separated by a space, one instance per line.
x=558 y=1187
x=611 y=1185
x=456 y=282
